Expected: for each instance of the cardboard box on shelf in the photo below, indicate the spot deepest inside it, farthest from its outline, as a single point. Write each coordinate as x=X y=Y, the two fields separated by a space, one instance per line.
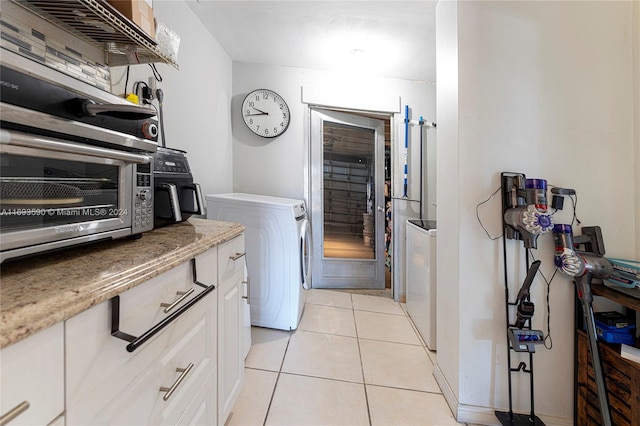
x=140 y=12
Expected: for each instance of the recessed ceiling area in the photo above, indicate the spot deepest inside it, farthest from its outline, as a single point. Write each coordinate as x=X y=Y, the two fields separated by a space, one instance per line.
x=375 y=38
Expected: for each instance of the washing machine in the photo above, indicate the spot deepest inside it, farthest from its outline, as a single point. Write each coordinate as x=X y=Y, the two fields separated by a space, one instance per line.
x=278 y=247
x=421 y=278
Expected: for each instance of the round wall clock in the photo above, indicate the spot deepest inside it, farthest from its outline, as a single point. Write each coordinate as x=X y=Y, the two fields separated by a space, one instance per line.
x=265 y=113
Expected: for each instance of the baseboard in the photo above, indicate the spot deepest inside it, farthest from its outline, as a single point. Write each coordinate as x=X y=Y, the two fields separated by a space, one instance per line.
x=474 y=415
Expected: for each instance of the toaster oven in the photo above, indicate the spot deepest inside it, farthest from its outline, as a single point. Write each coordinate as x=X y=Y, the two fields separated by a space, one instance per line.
x=76 y=162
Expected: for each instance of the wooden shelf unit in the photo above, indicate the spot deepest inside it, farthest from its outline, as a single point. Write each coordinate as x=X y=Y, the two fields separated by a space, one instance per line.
x=622 y=377
x=345 y=196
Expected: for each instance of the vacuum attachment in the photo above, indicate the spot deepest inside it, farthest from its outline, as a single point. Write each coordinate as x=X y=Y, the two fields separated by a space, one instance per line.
x=525 y=340
x=526 y=308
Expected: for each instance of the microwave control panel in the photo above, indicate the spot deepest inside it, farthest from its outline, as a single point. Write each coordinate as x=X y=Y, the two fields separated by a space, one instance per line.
x=142 y=219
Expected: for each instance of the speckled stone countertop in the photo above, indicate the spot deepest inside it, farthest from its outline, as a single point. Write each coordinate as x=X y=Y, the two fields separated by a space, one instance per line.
x=38 y=292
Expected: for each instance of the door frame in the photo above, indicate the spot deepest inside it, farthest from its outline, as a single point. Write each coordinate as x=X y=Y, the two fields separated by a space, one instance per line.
x=329 y=272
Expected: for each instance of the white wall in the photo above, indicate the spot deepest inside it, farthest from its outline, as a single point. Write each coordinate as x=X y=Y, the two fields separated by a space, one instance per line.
x=546 y=89
x=447 y=158
x=196 y=97
x=275 y=166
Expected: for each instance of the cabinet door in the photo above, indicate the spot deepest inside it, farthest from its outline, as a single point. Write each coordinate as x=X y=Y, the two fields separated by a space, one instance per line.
x=32 y=371
x=202 y=410
x=230 y=326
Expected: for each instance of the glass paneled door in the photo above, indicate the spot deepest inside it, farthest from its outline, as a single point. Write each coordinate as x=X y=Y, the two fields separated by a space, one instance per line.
x=347 y=200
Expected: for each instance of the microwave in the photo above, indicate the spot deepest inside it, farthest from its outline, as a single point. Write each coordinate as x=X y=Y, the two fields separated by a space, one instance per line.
x=76 y=162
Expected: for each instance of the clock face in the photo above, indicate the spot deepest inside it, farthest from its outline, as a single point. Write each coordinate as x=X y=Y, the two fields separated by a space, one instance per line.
x=265 y=113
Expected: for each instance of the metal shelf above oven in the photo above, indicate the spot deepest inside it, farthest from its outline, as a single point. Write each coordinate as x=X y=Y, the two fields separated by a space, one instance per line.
x=98 y=23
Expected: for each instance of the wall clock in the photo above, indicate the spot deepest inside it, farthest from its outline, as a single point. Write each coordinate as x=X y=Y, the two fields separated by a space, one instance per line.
x=265 y=113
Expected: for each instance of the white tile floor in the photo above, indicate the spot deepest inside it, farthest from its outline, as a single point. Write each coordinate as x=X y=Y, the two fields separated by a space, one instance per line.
x=354 y=360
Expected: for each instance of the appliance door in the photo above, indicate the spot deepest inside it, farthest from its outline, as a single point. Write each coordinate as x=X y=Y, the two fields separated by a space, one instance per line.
x=177 y=201
x=305 y=252
x=421 y=281
x=191 y=200
x=53 y=190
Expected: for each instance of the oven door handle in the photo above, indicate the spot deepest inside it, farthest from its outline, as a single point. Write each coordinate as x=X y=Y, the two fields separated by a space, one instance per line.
x=126 y=112
x=38 y=142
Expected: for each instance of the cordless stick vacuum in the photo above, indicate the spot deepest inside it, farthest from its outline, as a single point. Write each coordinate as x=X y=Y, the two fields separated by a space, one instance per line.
x=524 y=206
x=583 y=266
x=524 y=217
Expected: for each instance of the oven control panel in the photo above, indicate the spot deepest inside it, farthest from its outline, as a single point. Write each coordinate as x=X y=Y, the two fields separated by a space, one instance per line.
x=142 y=219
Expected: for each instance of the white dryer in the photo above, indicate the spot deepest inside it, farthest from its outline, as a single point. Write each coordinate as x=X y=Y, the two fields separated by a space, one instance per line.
x=278 y=247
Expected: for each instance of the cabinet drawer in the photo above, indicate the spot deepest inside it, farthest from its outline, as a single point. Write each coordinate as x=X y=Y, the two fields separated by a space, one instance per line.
x=202 y=410
x=231 y=258
x=146 y=305
x=130 y=393
x=32 y=370
x=94 y=355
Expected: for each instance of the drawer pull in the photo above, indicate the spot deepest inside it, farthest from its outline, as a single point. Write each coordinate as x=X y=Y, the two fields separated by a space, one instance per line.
x=237 y=256
x=248 y=283
x=183 y=295
x=136 y=342
x=174 y=386
x=14 y=412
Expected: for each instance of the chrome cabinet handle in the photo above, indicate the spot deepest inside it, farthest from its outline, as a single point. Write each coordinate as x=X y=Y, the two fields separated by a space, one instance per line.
x=237 y=256
x=248 y=283
x=183 y=295
x=14 y=412
x=169 y=391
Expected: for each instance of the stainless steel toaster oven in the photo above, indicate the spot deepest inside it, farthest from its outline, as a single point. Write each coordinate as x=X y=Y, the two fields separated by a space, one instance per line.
x=76 y=162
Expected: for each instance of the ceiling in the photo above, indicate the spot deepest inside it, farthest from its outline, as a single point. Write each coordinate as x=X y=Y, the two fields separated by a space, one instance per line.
x=374 y=38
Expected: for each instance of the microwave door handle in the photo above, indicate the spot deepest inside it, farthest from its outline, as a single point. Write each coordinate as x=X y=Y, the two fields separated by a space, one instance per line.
x=126 y=112
x=173 y=200
x=197 y=191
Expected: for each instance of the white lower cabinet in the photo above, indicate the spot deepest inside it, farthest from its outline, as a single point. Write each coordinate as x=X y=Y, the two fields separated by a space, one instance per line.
x=188 y=372
x=32 y=379
x=157 y=382
x=231 y=328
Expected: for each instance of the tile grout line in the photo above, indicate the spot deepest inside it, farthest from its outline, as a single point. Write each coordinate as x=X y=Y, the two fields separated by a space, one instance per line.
x=280 y=370
x=275 y=385
x=364 y=384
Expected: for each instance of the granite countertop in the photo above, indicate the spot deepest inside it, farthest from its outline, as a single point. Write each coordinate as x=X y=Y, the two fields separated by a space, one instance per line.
x=38 y=292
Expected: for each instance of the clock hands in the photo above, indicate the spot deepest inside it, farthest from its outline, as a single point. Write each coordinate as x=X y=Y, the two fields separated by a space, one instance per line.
x=275 y=113
x=260 y=112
